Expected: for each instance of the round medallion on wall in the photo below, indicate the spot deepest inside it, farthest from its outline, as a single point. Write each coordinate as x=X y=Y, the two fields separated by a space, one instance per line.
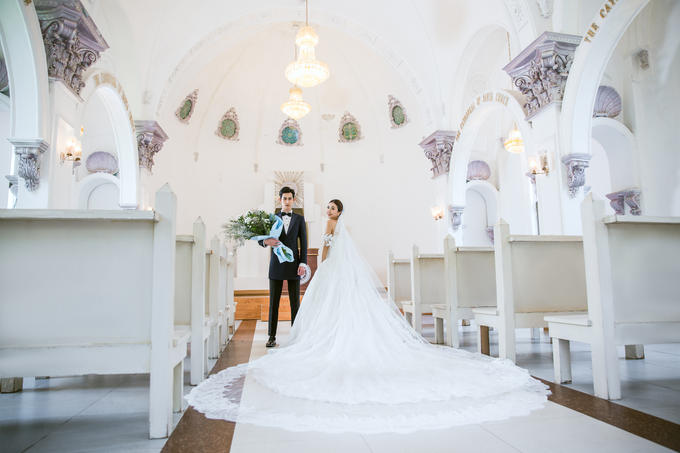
x=186 y=108
x=228 y=127
x=290 y=133
x=349 y=130
x=397 y=112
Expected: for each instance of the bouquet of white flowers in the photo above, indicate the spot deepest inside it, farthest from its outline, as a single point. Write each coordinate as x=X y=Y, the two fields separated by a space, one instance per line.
x=256 y=226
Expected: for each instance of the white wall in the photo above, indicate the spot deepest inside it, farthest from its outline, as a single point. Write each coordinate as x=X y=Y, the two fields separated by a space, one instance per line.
x=384 y=179
x=651 y=103
x=475 y=220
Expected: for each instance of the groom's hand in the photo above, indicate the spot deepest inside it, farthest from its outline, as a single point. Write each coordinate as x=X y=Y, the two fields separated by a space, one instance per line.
x=301 y=270
x=272 y=242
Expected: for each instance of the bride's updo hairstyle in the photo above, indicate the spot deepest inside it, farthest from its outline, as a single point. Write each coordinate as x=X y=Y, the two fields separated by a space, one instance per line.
x=337 y=203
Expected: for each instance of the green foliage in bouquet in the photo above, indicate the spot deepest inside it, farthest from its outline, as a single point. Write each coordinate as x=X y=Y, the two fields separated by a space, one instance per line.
x=253 y=223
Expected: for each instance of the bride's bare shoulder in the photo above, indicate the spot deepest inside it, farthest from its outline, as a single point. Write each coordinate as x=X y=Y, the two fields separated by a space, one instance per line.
x=330 y=226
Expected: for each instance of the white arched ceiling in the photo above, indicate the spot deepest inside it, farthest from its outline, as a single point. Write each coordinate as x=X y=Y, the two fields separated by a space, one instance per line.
x=465 y=145
x=25 y=59
x=477 y=70
x=124 y=144
x=422 y=41
x=590 y=61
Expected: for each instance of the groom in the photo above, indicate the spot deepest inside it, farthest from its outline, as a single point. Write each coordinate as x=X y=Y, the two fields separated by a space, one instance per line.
x=293 y=229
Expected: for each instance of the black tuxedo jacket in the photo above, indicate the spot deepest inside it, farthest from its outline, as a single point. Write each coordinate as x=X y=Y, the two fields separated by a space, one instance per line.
x=297 y=230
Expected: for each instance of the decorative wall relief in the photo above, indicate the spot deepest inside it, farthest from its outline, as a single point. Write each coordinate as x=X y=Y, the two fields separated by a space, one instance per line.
x=576 y=171
x=456 y=216
x=187 y=107
x=290 y=133
x=540 y=71
x=607 y=102
x=229 y=126
x=438 y=147
x=293 y=179
x=478 y=170
x=349 y=129
x=626 y=197
x=397 y=112
x=28 y=154
x=150 y=139
x=102 y=162
x=72 y=41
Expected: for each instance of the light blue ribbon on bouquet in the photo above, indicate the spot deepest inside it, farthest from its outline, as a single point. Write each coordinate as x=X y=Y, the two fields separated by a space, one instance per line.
x=282 y=252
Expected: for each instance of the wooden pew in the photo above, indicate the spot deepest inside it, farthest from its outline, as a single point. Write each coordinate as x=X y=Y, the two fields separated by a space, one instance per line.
x=427 y=286
x=190 y=312
x=633 y=280
x=536 y=276
x=91 y=292
x=399 y=281
x=470 y=279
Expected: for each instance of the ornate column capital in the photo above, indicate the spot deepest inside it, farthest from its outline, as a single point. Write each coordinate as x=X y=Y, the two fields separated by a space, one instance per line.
x=456 y=216
x=28 y=153
x=540 y=71
x=626 y=197
x=150 y=139
x=438 y=147
x=72 y=40
x=576 y=171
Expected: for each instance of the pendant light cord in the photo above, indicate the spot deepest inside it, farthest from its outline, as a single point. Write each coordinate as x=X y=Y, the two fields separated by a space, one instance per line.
x=307 y=12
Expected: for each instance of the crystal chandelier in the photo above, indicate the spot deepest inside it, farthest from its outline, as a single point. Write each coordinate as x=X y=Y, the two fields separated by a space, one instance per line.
x=306 y=71
x=295 y=107
x=514 y=143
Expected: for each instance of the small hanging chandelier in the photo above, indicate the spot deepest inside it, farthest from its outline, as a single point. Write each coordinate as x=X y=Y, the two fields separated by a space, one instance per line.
x=295 y=107
x=306 y=71
x=514 y=143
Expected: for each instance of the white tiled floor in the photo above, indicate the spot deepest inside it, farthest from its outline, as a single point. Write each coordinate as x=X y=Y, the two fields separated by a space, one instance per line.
x=110 y=413
x=651 y=385
x=552 y=429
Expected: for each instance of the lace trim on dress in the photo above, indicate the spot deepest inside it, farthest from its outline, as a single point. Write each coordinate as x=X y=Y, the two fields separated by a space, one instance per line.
x=327 y=239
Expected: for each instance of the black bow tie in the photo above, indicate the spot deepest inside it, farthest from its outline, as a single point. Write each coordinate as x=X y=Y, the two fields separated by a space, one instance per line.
x=289 y=214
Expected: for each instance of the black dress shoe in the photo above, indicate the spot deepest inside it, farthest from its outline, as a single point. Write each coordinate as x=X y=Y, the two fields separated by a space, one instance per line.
x=272 y=342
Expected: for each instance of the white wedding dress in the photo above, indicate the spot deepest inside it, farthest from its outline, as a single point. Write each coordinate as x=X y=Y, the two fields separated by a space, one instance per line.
x=352 y=363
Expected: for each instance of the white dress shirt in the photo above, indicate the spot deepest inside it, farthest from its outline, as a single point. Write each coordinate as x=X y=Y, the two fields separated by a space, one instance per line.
x=286 y=221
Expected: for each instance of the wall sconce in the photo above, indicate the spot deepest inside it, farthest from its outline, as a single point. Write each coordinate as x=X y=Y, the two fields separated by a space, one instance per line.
x=437 y=212
x=72 y=153
x=539 y=165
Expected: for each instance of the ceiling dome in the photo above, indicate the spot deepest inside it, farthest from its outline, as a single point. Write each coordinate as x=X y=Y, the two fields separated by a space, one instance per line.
x=607 y=102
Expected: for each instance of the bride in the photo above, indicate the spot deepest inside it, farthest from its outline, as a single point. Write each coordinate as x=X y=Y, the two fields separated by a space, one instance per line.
x=352 y=363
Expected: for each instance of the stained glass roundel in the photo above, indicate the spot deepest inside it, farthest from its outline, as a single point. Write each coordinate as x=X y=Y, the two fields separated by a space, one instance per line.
x=186 y=109
x=398 y=115
x=350 y=131
x=289 y=135
x=228 y=128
